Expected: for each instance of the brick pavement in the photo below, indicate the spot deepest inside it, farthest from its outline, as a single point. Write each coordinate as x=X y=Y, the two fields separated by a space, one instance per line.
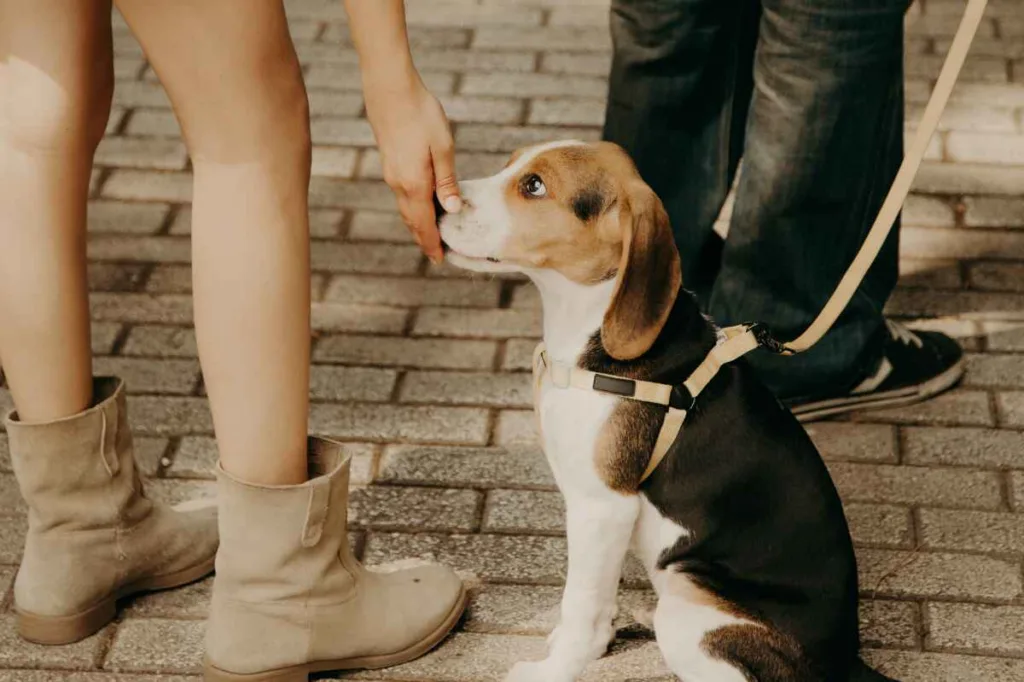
x=423 y=372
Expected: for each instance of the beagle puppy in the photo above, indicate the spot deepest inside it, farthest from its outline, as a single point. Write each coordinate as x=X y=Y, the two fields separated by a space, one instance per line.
x=740 y=527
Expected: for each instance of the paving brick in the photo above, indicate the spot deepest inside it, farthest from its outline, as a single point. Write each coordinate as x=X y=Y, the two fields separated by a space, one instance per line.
x=976 y=305
x=160 y=416
x=1017 y=485
x=524 y=511
x=961 y=488
x=419 y=37
x=1011 y=408
x=413 y=292
x=993 y=212
x=337 y=193
x=149 y=453
x=404 y=352
x=465 y=467
x=161 y=342
x=104 y=336
x=570 y=112
x=998 y=629
x=879 y=524
x=482 y=109
x=997 y=276
x=374 y=226
x=579 y=16
x=148 y=186
x=976 y=69
x=190 y=602
x=516 y=427
x=330 y=103
x=154 y=645
x=457 y=425
x=128 y=68
x=985 y=147
x=973 y=531
x=967 y=178
x=335 y=162
x=477 y=323
x=141 y=308
x=963 y=447
x=115 y=276
x=501 y=558
x=339 y=317
x=477 y=388
x=533 y=85
x=595 y=64
x=958 y=407
x=567 y=38
x=140 y=94
x=170 y=279
x=351 y=383
x=889 y=623
x=173 y=491
x=389 y=259
x=934 y=667
x=897 y=573
x=468 y=164
x=342 y=131
x=449 y=271
x=992 y=371
x=494 y=138
x=127 y=152
x=414 y=509
x=931 y=273
x=1003 y=335
x=962 y=244
x=125 y=218
x=111 y=247
x=460 y=14
x=5 y=456
x=11 y=502
x=928 y=211
x=518 y=355
x=153 y=123
x=838 y=441
x=347 y=77
x=6 y=579
x=17 y=653
x=177 y=377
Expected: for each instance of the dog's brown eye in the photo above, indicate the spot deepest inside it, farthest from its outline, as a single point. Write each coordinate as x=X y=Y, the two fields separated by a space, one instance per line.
x=533 y=186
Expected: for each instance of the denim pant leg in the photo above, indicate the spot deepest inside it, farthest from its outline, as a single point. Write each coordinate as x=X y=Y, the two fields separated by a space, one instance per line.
x=680 y=86
x=824 y=139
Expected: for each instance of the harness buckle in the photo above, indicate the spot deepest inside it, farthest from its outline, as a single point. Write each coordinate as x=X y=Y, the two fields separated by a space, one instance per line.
x=682 y=399
x=765 y=339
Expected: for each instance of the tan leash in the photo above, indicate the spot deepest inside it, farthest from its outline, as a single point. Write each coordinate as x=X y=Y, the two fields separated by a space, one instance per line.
x=737 y=341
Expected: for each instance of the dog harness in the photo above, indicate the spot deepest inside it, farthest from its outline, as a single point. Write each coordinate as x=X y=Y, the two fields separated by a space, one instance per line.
x=735 y=342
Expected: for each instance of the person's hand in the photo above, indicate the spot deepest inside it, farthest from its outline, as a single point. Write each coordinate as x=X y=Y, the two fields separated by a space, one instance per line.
x=417 y=156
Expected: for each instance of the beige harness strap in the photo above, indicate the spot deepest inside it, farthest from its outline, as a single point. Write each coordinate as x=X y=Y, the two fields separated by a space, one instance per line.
x=901 y=185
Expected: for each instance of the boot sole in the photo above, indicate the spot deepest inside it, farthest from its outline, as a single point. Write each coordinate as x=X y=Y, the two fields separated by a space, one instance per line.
x=908 y=396
x=301 y=673
x=58 y=630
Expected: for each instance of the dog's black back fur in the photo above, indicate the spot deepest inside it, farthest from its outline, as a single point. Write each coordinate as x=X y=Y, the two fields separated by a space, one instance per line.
x=767 y=529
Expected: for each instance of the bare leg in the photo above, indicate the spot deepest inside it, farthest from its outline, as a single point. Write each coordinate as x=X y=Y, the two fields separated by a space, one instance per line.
x=56 y=81
x=232 y=74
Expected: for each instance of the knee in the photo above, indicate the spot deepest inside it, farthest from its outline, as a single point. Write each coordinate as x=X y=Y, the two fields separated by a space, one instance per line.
x=258 y=115
x=44 y=113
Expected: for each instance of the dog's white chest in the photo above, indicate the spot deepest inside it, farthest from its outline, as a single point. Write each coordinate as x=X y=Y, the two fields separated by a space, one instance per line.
x=571 y=421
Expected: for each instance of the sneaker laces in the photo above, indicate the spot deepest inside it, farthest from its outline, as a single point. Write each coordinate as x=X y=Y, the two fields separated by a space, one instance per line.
x=900 y=333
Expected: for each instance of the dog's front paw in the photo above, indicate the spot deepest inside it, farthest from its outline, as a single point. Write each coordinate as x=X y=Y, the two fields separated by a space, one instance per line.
x=536 y=671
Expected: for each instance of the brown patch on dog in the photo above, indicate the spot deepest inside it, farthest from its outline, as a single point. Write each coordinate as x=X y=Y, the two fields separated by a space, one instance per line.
x=760 y=653
x=630 y=431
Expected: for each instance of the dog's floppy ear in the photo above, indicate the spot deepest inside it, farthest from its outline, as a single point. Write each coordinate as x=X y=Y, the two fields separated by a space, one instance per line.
x=649 y=276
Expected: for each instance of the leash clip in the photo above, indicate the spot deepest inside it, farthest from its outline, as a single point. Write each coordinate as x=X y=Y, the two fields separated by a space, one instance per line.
x=765 y=339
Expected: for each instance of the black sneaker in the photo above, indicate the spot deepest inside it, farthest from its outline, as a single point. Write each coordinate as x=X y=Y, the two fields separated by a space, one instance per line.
x=915 y=366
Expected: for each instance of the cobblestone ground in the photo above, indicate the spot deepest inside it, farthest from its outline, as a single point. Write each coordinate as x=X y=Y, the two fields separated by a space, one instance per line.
x=423 y=371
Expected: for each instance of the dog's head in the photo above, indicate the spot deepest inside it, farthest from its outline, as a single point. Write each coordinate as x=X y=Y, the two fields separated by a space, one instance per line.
x=580 y=210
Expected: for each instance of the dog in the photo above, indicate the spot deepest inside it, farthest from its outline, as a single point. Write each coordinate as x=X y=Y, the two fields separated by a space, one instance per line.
x=739 y=527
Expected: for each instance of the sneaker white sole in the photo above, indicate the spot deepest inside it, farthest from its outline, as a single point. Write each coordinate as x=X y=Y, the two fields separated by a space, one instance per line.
x=910 y=395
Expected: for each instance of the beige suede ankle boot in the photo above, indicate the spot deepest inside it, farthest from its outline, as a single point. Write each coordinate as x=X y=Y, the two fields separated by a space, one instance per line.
x=290 y=599
x=93 y=536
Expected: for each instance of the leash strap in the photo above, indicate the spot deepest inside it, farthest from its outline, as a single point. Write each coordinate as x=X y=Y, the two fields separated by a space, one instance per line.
x=901 y=184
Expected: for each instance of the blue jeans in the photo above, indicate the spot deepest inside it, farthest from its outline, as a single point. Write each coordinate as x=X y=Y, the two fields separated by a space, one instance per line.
x=810 y=94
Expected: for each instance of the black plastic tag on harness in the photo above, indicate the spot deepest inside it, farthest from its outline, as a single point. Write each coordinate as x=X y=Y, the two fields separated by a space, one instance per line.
x=765 y=339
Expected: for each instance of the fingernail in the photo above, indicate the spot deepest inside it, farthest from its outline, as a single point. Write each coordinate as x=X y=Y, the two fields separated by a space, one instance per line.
x=453 y=204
